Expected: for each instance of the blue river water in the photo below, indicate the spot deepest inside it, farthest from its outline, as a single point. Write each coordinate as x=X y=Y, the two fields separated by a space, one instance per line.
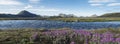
x=6 y=24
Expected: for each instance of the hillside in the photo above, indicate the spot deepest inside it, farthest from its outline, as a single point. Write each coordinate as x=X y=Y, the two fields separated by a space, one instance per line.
x=6 y=15
x=111 y=15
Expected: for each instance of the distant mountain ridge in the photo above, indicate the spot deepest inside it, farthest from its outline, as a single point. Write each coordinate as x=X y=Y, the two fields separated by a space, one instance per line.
x=23 y=13
x=117 y=14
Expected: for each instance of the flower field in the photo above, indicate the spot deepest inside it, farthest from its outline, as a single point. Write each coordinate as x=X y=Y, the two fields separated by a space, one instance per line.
x=60 y=36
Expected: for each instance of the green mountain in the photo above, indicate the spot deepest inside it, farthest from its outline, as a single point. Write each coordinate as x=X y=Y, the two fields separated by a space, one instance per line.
x=111 y=15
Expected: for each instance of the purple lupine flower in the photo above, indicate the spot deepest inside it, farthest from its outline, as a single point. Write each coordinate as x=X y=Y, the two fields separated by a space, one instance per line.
x=83 y=32
x=107 y=39
x=117 y=40
x=96 y=37
x=108 y=35
x=86 y=41
x=72 y=42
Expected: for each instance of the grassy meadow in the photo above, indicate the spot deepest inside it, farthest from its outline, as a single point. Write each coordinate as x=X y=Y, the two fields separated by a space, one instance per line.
x=60 y=36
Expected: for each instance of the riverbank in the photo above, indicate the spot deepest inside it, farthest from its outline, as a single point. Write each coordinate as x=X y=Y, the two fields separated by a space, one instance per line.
x=87 y=19
x=60 y=36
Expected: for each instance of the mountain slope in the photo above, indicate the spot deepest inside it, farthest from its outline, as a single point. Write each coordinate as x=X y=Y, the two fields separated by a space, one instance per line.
x=111 y=15
x=25 y=13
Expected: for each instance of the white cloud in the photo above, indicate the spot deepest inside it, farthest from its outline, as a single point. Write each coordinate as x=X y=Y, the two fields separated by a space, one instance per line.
x=10 y=2
x=42 y=6
x=34 y=1
x=50 y=10
x=101 y=1
x=96 y=4
x=44 y=10
x=104 y=2
x=38 y=9
x=114 y=4
x=28 y=6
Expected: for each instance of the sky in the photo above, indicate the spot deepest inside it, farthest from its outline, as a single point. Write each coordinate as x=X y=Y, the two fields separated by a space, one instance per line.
x=54 y=7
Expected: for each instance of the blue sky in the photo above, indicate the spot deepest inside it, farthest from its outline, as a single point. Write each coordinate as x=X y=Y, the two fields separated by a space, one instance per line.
x=54 y=7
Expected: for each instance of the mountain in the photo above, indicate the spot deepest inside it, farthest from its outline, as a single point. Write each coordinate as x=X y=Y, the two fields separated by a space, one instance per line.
x=23 y=13
x=111 y=15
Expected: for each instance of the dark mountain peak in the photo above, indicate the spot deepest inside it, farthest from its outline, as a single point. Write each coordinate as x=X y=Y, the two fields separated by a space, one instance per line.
x=25 y=13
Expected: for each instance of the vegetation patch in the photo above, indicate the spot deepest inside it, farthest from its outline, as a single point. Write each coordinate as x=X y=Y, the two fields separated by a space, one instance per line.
x=60 y=36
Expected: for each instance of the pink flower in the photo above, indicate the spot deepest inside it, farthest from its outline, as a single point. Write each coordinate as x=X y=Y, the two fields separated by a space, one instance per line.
x=72 y=42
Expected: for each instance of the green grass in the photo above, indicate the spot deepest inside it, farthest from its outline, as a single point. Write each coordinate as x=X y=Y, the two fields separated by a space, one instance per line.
x=87 y=19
